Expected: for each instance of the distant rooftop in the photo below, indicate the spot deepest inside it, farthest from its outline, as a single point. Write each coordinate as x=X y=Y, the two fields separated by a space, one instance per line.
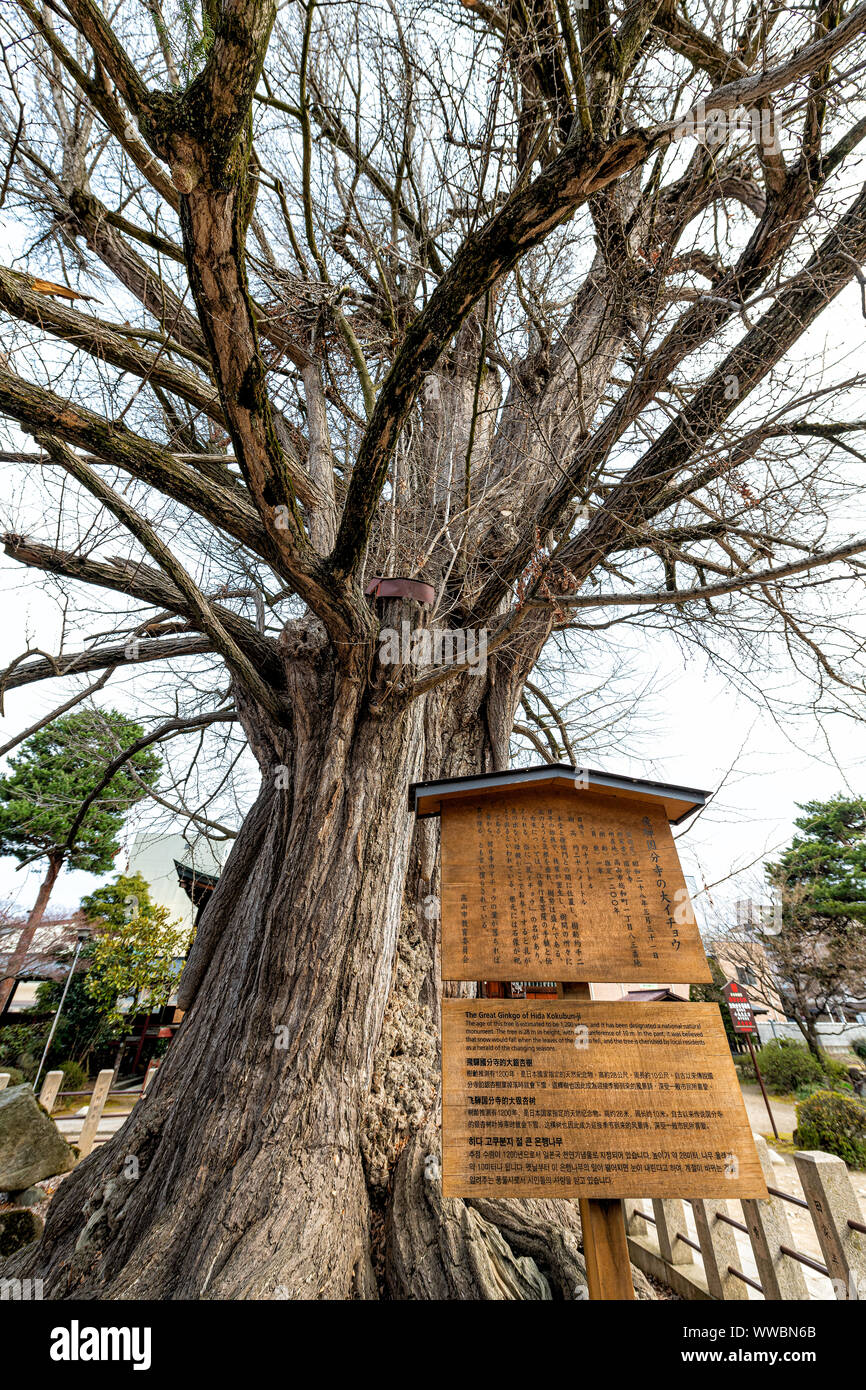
x=197 y=885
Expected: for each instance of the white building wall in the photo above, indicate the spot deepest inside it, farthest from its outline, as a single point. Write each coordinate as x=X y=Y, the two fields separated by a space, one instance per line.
x=830 y=1035
x=153 y=855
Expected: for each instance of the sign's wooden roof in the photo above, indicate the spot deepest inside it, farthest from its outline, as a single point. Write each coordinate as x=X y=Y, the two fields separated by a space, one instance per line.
x=427 y=798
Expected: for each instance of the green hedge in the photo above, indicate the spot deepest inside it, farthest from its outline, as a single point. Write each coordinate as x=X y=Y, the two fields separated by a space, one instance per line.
x=787 y=1065
x=836 y=1073
x=21 y=1047
x=834 y=1123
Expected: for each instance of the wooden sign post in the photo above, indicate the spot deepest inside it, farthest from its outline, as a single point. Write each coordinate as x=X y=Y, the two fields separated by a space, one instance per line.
x=602 y=1223
x=571 y=876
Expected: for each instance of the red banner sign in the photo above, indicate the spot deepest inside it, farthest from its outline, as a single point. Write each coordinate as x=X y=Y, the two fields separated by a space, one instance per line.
x=740 y=1006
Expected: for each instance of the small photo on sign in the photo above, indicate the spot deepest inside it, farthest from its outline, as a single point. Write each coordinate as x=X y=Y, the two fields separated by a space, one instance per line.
x=575 y=1098
x=564 y=885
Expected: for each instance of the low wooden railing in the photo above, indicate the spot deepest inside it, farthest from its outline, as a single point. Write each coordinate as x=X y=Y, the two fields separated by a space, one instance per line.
x=51 y=1096
x=668 y=1252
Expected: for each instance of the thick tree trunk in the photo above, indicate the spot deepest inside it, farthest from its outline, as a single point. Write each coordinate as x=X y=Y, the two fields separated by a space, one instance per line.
x=240 y=1174
x=427 y=1246
x=284 y=1105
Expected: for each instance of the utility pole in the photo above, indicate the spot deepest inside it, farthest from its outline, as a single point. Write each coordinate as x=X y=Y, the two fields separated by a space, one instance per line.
x=83 y=934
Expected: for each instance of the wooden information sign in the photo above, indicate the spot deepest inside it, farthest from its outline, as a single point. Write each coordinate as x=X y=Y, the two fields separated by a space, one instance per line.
x=567 y=1098
x=564 y=885
x=571 y=875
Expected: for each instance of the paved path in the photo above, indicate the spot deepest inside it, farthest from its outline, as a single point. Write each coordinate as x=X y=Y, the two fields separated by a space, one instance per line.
x=783 y=1111
x=70 y=1125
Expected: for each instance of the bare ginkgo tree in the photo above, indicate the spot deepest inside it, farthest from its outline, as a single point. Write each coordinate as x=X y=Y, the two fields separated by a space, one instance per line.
x=518 y=300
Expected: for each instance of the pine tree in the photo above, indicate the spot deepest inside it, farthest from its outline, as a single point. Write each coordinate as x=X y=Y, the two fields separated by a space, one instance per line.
x=826 y=865
x=818 y=949
x=48 y=782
